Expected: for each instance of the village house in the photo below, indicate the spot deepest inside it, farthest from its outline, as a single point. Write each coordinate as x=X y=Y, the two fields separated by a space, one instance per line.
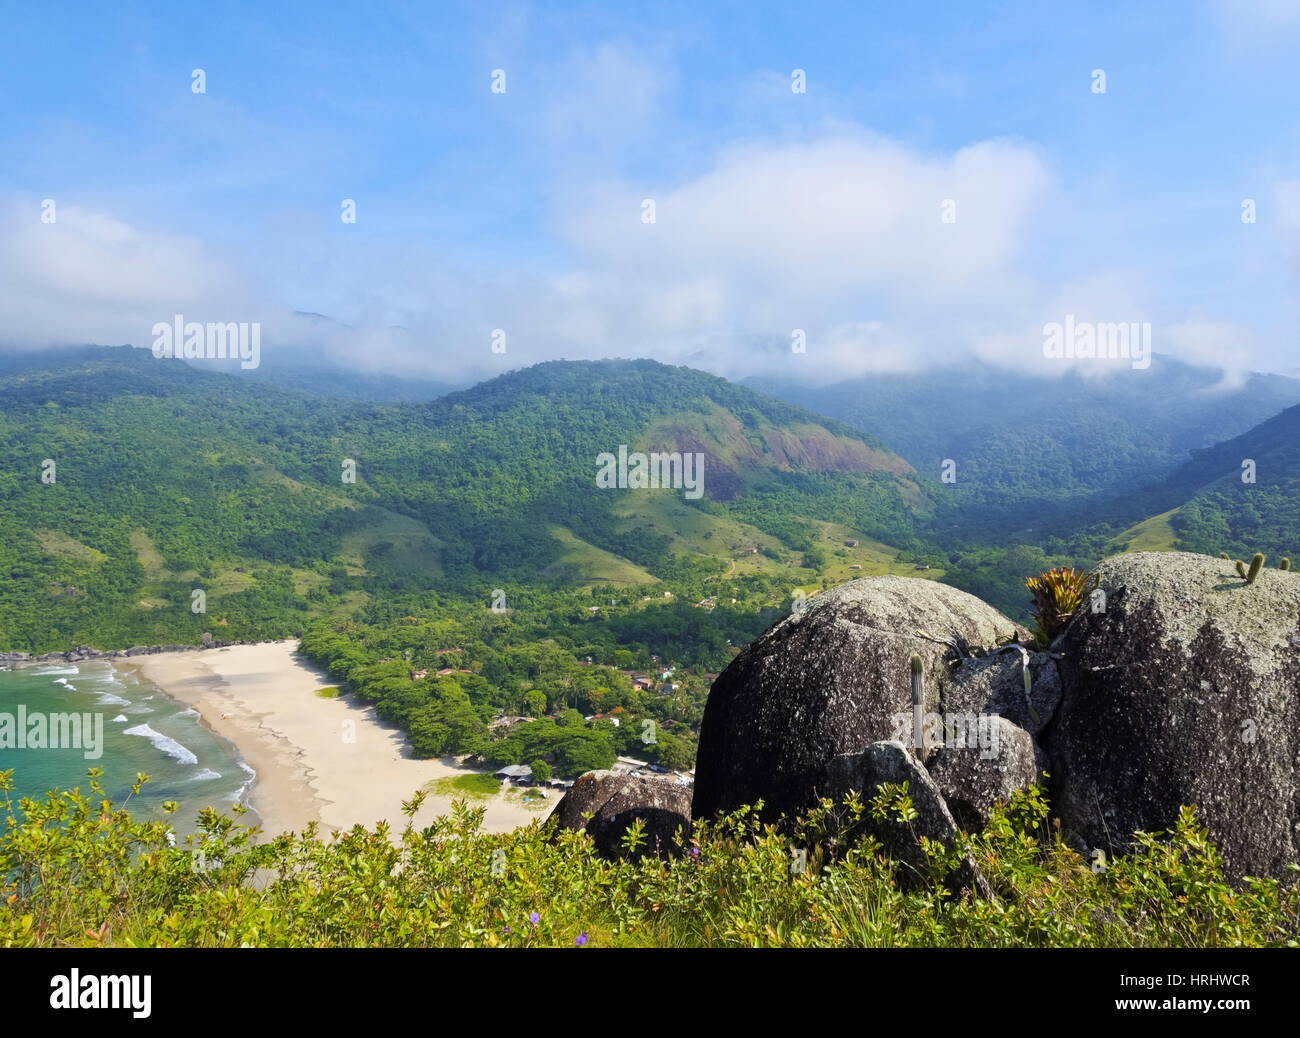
x=515 y=774
x=507 y=721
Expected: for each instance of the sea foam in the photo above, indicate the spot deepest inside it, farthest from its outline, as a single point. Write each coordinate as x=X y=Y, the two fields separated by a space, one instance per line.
x=164 y=743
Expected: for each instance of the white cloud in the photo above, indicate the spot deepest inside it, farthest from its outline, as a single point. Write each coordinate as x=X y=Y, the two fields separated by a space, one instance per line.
x=1214 y=344
x=605 y=93
x=841 y=236
x=87 y=277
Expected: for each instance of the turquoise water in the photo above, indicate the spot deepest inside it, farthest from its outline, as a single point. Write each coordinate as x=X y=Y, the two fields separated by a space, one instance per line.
x=142 y=731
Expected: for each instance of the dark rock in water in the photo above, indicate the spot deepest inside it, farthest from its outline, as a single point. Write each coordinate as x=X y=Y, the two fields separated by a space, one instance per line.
x=990 y=768
x=85 y=652
x=1184 y=690
x=831 y=679
x=616 y=801
x=890 y=762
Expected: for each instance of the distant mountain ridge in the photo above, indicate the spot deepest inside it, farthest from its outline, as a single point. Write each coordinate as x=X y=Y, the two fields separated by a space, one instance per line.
x=1240 y=496
x=1030 y=450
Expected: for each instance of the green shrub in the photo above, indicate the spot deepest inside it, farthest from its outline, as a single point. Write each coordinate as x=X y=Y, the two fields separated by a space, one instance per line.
x=81 y=872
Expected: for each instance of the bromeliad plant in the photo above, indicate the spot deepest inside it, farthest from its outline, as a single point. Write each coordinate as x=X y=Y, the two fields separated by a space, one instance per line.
x=1058 y=594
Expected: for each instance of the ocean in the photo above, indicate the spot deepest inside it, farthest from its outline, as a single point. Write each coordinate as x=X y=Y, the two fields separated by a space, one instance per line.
x=142 y=731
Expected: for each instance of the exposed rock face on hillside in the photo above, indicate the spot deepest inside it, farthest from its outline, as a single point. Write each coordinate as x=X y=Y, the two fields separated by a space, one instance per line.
x=831 y=680
x=616 y=801
x=732 y=448
x=1185 y=690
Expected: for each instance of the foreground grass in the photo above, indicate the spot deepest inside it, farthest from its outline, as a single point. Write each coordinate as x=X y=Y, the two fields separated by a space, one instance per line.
x=76 y=871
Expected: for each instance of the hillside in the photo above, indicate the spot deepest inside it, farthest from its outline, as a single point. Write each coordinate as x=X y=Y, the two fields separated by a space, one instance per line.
x=169 y=479
x=1216 y=510
x=1032 y=450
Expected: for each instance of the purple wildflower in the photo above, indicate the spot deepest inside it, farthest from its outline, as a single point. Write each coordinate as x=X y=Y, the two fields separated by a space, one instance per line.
x=582 y=939
x=533 y=918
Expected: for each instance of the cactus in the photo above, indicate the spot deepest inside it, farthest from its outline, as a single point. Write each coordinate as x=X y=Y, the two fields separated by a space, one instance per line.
x=1251 y=573
x=1225 y=555
x=918 y=699
x=1256 y=564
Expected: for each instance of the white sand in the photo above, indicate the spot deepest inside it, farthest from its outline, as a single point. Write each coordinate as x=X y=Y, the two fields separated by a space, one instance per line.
x=332 y=761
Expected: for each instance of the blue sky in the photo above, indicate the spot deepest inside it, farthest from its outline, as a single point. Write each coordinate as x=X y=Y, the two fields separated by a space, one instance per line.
x=775 y=210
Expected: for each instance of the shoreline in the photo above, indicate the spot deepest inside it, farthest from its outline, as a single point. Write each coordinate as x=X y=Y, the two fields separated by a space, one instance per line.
x=329 y=761
x=13 y=659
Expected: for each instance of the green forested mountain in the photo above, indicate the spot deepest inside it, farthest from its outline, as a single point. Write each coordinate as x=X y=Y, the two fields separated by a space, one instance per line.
x=1240 y=496
x=167 y=480
x=1031 y=450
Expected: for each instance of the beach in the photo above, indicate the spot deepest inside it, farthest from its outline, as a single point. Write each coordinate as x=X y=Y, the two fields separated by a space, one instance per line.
x=330 y=761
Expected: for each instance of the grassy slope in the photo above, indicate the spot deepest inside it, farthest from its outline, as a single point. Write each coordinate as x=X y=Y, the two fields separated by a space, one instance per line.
x=1154 y=534
x=586 y=564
